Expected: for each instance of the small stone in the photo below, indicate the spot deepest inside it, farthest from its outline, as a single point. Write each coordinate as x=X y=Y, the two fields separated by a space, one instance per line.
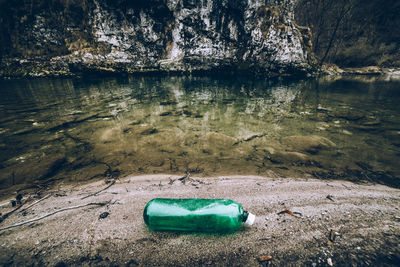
x=104 y=215
x=329 y=262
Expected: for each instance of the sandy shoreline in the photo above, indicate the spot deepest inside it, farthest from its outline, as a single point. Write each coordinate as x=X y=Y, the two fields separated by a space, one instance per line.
x=366 y=219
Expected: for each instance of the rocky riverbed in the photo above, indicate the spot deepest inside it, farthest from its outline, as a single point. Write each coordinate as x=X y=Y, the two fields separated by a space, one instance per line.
x=299 y=222
x=77 y=130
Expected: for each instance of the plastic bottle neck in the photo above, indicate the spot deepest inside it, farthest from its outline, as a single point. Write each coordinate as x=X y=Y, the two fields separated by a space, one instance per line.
x=248 y=218
x=245 y=216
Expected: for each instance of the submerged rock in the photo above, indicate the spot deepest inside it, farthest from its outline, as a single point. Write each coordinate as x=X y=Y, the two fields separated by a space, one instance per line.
x=124 y=36
x=135 y=122
x=218 y=140
x=165 y=113
x=371 y=123
x=310 y=144
x=289 y=157
x=146 y=130
x=351 y=115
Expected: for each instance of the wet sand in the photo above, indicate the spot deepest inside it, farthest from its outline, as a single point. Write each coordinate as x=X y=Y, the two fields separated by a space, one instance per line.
x=336 y=223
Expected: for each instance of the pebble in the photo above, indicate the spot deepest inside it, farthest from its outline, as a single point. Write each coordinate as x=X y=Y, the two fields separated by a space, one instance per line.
x=329 y=262
x=103 y=216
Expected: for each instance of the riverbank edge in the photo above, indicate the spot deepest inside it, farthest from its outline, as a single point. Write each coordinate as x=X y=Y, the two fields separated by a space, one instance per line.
x=64 y=67
x=58 y=67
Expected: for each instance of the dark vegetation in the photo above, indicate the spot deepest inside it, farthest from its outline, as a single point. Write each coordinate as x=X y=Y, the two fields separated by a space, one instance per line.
x=353 y=33
x=69 y=20
x=16 y=20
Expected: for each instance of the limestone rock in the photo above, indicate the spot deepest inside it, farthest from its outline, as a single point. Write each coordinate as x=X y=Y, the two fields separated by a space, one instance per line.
x=171 y=35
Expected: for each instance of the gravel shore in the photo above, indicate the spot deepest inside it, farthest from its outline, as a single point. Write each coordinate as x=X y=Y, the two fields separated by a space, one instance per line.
x=299 y=222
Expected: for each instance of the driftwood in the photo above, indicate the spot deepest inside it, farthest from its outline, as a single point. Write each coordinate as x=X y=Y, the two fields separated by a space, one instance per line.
x=54 y=212
x=105 y=188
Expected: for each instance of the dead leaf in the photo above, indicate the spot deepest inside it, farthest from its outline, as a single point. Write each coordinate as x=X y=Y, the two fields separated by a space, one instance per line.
x=265 y=258
x=289 y=212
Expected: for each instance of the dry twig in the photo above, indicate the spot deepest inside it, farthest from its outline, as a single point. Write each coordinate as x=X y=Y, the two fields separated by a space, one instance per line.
x=34 y=203
x=105 y=188
x=330 y=197
x=5 y=216
x=54 y=212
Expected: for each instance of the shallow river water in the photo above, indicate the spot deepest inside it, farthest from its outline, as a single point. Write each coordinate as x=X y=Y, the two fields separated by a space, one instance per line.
x=81 y=129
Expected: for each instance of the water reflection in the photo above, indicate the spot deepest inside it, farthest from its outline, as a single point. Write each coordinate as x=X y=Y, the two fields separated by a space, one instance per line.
x=84 y=129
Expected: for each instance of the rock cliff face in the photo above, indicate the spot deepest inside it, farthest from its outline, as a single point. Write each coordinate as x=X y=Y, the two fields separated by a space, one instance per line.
x=63 y=37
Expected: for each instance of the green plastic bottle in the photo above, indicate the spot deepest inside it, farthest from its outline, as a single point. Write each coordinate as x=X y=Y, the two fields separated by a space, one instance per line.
x=195 y=215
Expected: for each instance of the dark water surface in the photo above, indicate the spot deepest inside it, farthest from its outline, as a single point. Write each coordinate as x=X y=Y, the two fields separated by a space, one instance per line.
x=80 y=129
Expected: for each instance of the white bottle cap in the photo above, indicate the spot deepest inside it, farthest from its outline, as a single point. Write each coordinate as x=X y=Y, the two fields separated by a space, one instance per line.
x=250 y=219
